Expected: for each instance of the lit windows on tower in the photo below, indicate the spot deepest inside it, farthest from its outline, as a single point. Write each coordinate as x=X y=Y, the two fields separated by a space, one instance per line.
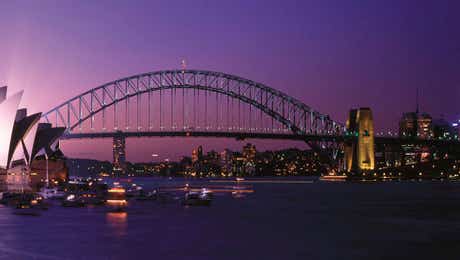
x=119 y=154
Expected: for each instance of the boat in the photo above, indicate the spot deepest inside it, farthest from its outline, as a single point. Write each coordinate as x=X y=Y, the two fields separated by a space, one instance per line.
x=26 y=210
x=238 y=179
x=51 y=193
x=27 y=207
x=332 y=177
x=73 y=201
x=135 y=191
x=92 y=198
x=116 y=199
x=193 y=198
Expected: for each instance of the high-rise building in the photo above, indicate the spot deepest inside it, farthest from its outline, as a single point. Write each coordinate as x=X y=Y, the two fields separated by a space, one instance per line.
x=424 y=126
x=119 y=154
x=360 y=156
x=249 y=157
x=226 y=158
x=414 y=124
x=197 y=154
x=408 y=125
x=249 y=152
x=194 y=155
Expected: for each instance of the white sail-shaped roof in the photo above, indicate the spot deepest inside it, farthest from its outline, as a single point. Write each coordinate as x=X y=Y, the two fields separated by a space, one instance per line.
x=8 y=110
x=28 y=141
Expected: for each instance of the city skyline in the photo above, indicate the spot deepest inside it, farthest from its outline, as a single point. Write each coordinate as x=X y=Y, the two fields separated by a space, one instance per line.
x=243 y=129
x=306 y=50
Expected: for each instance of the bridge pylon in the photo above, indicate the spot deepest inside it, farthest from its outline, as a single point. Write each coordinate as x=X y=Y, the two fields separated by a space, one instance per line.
x=359 y=153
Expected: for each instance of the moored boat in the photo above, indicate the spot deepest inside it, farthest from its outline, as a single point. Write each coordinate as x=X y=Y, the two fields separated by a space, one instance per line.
x=51 y=193
x=73 y=201
x=193 y=198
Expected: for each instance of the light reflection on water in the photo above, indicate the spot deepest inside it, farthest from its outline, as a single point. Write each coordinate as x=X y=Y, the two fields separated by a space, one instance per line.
x=117 y=221
x=279 y=220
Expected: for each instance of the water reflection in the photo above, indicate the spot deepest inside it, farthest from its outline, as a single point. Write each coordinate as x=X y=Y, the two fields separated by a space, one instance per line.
x=117 y=222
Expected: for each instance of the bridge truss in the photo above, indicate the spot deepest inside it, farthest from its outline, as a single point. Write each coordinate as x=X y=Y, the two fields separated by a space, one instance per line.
x=189 y=100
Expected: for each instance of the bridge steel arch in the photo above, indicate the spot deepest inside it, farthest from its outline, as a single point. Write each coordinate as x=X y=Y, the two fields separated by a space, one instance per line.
x=292 y=113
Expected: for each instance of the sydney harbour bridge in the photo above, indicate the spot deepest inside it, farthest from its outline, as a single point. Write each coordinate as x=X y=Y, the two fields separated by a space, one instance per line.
x=202 y=103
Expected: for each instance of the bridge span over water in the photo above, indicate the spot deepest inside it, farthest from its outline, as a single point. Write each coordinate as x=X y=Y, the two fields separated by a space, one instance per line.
x=199 y=103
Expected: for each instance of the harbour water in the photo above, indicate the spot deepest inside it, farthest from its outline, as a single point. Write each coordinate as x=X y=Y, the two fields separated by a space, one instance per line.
x=300 y=219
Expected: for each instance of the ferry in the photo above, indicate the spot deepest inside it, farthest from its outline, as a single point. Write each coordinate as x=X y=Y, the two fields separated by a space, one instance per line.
x=116 y=199
x=333 y=178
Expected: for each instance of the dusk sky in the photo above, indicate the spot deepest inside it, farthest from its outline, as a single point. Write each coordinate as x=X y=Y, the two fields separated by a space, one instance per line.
x=332 y=55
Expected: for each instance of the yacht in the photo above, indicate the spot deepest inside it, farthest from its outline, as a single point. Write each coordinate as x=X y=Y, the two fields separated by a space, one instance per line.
x=73 y=201
x=51 y=193
x=193 y=198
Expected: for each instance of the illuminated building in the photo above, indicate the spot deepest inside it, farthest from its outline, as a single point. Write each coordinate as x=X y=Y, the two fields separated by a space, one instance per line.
x=119 y=154
x=22 y=139
x=249 y=152
x=197 y=154
x=414 y=124
x=408 y=125
x=359 y=155
x=226 y=158
x=424 y=126
x=444 y=130
x=8 y=108
x=249 y=157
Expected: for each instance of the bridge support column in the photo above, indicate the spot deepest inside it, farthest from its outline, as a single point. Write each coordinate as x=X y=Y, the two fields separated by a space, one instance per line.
x=359 y=154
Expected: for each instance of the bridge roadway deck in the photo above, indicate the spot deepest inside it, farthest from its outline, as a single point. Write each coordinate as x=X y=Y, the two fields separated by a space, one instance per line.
x=246 y=135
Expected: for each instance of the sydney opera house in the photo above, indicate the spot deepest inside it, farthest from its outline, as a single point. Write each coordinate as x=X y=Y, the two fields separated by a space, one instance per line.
x=25 y=144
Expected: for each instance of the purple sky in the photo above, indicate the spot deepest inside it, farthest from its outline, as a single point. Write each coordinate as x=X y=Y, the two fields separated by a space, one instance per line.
x=332 y=55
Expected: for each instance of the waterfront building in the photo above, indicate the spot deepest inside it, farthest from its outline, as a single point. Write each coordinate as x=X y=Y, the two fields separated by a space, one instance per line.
x=22 y=139
x=387 y=156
